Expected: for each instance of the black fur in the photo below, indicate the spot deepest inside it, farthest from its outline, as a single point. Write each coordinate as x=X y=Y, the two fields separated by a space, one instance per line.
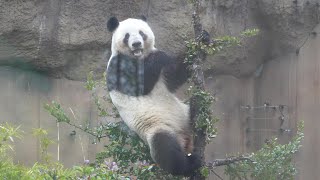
x=135 y=78
x=143 y=35
x=174 y=72
x=171 y=157
x=126 y=75
x=112 y=24
x=126 y=39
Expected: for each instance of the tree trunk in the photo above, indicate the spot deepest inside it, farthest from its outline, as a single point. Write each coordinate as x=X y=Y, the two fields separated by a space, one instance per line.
x=199 y=83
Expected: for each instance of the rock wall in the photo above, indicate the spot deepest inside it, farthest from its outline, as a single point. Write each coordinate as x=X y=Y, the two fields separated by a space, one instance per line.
x=69 y=38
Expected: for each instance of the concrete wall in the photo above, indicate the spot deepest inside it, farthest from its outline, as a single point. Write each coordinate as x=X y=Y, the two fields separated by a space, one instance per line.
x=23 y=95
x=308 y=106
x=293 y=81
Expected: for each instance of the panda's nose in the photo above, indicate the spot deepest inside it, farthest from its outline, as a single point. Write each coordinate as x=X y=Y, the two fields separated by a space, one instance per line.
x=136 y=44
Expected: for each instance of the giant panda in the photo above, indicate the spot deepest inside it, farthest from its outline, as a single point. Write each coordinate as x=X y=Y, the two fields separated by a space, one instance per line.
x=142 y=81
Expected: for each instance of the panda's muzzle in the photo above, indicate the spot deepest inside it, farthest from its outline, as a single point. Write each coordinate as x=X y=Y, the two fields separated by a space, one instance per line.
x=137 y=52
x=137 y=49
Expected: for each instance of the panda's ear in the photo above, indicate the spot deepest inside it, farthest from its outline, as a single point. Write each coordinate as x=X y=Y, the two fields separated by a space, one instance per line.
x=142 y=17
x=112 y=24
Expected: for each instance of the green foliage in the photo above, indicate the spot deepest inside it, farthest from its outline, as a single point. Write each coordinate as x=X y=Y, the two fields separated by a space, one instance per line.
x=42 y=136
x=92 y=86
x=49 y=171
x=9 y=170
x=105 y=170
x=218 y=44
x=7 y=135
x=205 y=171
x=273 y=161
x=250 y=32
x=97 y=172
x=125 y=146
x=205 y=120
x=56 y=111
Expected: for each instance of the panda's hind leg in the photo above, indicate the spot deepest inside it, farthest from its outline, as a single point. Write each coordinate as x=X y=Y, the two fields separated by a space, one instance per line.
x=171 y=157
x=188 y=143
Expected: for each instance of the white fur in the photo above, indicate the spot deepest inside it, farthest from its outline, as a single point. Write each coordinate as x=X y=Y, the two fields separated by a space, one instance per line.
x=162 y=105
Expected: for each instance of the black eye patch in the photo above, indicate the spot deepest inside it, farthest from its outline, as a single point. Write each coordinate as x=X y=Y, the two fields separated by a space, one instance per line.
x=144 y=36
x=126 y=38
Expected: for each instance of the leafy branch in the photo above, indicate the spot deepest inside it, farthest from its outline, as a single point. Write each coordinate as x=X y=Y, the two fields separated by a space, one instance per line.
x=56 y=111
x=207 y=46
x=273 y=161
x=7 y=135
x=42 y=136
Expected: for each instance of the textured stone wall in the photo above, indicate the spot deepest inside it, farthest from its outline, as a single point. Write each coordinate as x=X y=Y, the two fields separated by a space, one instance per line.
x=69 y=38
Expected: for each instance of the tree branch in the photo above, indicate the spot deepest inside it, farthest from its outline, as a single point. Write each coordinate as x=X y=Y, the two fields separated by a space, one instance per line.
x=197 y=26
x=227 y=161
x=198 y=81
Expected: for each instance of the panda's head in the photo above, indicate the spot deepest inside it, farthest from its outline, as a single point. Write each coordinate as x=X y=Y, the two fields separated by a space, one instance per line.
x=132 y=37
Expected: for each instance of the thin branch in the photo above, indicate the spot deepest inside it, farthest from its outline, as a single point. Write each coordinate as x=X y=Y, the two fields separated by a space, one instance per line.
x=227 y=161
x=197 y=26
x=86 y=130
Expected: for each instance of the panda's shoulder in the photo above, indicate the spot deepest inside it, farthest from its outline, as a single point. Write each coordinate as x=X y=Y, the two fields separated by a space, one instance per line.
x=159 y=58
x=158 y=54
